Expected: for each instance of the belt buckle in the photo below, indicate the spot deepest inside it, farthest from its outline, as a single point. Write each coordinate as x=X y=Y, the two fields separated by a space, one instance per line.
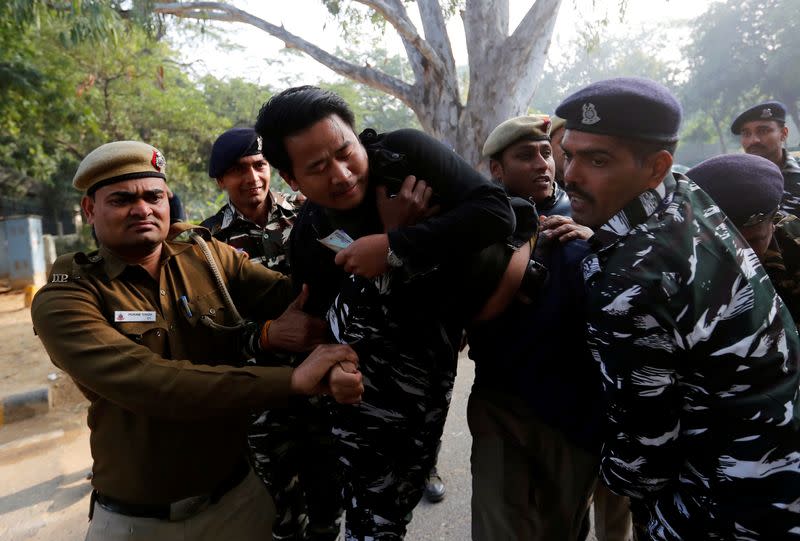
x=188 y=507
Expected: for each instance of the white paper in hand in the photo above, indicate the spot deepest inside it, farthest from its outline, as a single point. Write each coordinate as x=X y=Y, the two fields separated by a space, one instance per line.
x=337 y=241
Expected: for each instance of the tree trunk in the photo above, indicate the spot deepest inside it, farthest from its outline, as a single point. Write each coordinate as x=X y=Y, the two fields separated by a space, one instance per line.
x=720 y=133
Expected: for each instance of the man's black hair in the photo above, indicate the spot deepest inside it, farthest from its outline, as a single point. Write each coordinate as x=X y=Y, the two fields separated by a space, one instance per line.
x=292 y=111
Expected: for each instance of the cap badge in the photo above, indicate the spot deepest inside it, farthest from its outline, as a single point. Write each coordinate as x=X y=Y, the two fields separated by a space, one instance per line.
x=589 y=114
x=766 y=112
x=259 y=142
x=158 y=161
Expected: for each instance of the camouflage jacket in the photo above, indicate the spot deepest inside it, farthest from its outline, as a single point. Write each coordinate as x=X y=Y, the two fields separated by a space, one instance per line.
x=782 y=261
x=266 y=245
x=700 y=359
x=791 y=185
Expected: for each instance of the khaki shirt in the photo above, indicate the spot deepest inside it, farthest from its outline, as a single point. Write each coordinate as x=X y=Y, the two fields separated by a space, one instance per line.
x=169 y=406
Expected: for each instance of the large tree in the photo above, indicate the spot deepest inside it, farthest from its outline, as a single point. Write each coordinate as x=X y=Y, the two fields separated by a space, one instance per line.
x=504 y=66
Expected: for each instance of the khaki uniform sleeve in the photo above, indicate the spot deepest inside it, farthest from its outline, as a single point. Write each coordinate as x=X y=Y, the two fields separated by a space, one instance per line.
x=68 y=319
x=259 y=293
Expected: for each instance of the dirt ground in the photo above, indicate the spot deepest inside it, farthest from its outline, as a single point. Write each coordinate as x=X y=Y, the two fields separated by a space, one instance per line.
x=24 y=364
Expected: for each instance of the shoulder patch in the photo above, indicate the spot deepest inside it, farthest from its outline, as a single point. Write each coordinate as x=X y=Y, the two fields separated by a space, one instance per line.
x=62 y=269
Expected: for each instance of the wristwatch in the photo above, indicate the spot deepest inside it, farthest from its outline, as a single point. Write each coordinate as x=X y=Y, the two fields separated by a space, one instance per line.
x=394 y=260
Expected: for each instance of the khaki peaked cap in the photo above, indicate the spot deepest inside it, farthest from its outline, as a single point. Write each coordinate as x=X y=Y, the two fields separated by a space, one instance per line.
x=557 y=123
x=118 y=161
x=535 y=127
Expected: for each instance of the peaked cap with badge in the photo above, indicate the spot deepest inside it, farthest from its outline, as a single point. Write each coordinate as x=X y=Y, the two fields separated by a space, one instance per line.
x=118 y=161
x=229 y=147
x=531 y=127
x=748 y=188
x=630 y=107
x=769 y=110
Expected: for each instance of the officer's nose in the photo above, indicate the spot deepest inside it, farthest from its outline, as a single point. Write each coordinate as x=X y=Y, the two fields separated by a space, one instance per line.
x=140 y=208
x=570 y=174
x=252 y=175
x=540 y=163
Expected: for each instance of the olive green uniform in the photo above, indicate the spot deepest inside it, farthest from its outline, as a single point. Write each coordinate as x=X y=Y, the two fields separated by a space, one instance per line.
x=169 y=397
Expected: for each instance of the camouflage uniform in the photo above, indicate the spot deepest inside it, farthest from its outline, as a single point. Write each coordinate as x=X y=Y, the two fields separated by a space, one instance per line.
x=782 y=261
x=407 y=388
x=700 y=365
x=791 y=185
x=292 y=447
x=265 y=245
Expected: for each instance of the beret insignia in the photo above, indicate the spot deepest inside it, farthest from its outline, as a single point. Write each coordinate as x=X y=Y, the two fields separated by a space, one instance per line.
x=589 y=114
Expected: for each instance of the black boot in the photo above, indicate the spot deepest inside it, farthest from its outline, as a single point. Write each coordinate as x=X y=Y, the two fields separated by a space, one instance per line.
x=434 y=487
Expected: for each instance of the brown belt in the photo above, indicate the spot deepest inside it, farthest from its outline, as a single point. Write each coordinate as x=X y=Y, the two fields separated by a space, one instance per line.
x=175 y=511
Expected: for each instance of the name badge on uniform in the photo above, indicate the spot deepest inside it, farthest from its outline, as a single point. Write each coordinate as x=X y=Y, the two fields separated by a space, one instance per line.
x=125 y=316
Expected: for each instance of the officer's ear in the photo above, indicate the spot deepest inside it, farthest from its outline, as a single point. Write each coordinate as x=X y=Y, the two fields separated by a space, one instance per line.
x=220 y=184
x=290 y=180
x=657 y=165
x=496 y=169
x=87 y=205
x=784 y=133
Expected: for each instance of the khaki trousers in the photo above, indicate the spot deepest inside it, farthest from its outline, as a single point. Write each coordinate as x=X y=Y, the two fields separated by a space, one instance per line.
x=243 y=514
x=528 y=481
x=612 y=515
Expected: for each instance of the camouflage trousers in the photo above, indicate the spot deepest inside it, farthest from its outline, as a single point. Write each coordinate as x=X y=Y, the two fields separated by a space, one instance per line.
x=387 y=446
x=293 y=453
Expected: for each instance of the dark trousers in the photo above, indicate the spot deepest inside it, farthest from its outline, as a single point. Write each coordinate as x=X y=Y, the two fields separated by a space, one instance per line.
x=293 y=453
x=528 y=481
x=387 y=453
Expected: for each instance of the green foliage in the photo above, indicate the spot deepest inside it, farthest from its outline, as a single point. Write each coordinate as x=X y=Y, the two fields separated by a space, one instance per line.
x=77 y=78
x=742 y=52
x=578 y=65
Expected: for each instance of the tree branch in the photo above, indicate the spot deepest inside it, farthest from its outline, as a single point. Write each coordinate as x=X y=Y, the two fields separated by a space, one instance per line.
x=542 y=11
x=395 y=14
x=436 y=33
x=218 y=11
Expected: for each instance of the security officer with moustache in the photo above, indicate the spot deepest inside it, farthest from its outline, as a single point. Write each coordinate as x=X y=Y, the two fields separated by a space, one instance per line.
x=612 y=516
x=748 y=189
x=536 y=410
x=699 y=355
x=289 y=445
x=762 y=130
x=149 y=328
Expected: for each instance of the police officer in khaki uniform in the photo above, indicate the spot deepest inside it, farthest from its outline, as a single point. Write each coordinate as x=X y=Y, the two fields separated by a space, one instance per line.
x=149 y=329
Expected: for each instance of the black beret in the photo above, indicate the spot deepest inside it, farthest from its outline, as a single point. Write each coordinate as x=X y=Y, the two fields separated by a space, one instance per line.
x=229 y=147
x=769 y=110
x=631 y=107
x=747 y=188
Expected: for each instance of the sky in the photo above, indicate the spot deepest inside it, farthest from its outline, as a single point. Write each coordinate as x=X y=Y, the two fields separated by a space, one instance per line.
x=308 y=19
